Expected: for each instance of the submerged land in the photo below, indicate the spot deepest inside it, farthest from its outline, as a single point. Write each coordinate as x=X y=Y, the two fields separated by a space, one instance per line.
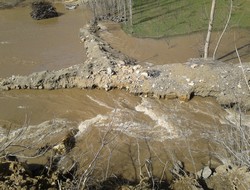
x=107 y=68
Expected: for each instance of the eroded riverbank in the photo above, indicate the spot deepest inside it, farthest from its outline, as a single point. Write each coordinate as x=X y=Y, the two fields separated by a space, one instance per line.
x=106 y=68
x=143 y=134
x=178 y=49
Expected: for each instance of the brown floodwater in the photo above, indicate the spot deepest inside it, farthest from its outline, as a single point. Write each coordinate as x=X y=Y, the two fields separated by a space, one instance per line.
x=178 y=49
x=169 y=127
x=27 y=46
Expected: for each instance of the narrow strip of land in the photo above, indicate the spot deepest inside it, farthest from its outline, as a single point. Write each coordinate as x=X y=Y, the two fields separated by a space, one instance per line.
x=106 y=68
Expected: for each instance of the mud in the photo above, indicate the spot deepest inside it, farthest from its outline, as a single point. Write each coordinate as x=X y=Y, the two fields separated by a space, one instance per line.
x=106 y=68
x=131 y=145
x=177 y=49
x=50 y=44
x=64 y=170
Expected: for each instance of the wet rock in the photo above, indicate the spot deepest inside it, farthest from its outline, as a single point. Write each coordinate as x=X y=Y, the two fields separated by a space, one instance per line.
x=43 y=10
x=67 y=144
x=205 y=173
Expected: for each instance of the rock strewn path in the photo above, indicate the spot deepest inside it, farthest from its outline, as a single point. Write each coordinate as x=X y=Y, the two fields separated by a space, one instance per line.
x=107 y=68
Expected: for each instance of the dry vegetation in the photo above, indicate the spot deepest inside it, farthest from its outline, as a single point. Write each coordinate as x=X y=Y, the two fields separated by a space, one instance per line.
x=104 y=159
x=91 y=168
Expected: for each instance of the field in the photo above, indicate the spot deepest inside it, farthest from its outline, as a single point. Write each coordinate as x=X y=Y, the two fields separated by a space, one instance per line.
x=160 y=18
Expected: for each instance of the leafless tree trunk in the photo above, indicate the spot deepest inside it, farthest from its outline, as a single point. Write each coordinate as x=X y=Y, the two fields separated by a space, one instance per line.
x=243 y=71
x=120 y=9
x=131 y=13
x=124 y=11
x=210 y=27
x=225 y=28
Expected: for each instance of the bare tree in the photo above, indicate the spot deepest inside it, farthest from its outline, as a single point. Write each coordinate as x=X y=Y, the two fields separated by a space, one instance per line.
x=130 y=12
x=210 y=27
x=116 y=10
x=224 y=30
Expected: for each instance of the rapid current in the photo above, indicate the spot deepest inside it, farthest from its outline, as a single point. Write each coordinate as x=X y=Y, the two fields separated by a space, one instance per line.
x=28 y=46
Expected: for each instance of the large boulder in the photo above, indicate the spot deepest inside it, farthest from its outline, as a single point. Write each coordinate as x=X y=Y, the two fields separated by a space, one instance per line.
x=43 y=10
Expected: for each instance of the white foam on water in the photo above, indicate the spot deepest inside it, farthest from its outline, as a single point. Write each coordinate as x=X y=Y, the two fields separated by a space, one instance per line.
x=21 y=107
x=100 y=103
x=161 y=119
x=125 y=121
x=4 y=42
x=83 y=126
x=3 y=133
x=37 y=133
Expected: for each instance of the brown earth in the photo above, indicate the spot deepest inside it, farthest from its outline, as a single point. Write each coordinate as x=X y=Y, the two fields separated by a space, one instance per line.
x=106 y=68
x=177 y=49
x=61 y=169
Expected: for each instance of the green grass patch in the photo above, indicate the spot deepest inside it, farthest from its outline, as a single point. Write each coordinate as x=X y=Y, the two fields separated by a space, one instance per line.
x=159 y=18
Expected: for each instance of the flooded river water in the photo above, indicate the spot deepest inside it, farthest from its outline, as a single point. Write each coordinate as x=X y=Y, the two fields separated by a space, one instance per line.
x=178 y=49
x=27 y=46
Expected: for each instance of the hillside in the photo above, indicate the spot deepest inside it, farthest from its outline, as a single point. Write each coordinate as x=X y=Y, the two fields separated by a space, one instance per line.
x=159 y=18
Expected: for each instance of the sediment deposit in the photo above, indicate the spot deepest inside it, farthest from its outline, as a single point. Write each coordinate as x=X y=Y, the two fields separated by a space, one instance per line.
x=107 y=68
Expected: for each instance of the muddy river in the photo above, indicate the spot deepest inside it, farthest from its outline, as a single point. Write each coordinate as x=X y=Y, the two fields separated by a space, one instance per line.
x=27 y=46
x=178 y=49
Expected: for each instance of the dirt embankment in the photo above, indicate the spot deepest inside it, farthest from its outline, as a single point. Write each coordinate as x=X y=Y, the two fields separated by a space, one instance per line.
x=107 y=68
x=21 y=175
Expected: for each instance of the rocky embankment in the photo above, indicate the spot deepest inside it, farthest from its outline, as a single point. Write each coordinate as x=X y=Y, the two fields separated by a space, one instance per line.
x=106 y=68
x=20 y=175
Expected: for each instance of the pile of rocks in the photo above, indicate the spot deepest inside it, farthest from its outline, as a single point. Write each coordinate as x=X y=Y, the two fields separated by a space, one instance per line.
x=107 y=68
x=14 y=174
x=227 y=176
x=43 y=10
x=114 y=18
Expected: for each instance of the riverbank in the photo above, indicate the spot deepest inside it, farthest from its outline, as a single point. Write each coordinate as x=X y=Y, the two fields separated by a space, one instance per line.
x=106 y=68
x=109 y=149
x=30 y=176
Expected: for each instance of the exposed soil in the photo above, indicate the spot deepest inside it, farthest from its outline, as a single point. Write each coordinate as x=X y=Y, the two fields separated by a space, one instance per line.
x=63 y=170
x=107 y=68
x=177 y=49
